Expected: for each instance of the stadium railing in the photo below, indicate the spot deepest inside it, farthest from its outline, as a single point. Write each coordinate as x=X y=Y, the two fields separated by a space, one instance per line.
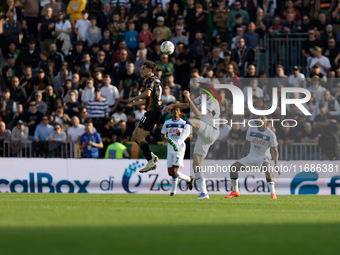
x=52 y=149
x=284 y=49
x=293 y=151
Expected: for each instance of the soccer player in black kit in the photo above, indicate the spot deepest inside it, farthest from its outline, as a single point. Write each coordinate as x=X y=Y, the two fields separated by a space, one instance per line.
x=151 y=97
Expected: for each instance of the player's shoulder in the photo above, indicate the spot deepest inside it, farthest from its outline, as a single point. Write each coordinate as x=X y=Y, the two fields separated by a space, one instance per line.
x=270 y=132
x=167 y=121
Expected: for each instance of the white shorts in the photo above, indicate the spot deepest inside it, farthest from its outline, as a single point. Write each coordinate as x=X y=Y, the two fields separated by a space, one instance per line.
x=206 y=136
x=175 y=159
x=253 y=160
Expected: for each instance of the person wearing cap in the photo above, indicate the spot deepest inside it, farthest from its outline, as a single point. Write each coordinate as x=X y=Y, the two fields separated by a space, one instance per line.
x=90 y=142
x=166 y=32
x=19 y=134
x=320 y=60
x=297 y=79
x=179 y=37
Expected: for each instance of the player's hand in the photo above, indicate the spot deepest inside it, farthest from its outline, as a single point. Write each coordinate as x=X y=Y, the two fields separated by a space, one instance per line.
x=277 y=169
x=186 y=94
x=178 y=132
x=169 y=108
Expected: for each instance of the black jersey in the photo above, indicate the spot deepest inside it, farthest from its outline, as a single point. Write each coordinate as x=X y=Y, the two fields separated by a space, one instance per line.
x=153 y=102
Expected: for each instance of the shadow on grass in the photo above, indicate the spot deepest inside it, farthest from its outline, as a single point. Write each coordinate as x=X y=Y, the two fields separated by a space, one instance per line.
x=176 y=239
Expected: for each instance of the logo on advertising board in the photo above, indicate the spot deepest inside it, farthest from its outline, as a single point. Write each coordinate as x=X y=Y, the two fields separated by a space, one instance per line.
x=128 y=173
x=299 y=186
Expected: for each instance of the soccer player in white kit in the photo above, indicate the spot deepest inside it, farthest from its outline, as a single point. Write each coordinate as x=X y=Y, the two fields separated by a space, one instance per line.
x=172 y=128
x=206 y=134
x=260 y=140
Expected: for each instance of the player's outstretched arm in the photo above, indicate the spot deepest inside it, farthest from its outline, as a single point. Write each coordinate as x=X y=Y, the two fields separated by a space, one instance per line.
x=144 y=95
x=180 y=105
x=140 y=102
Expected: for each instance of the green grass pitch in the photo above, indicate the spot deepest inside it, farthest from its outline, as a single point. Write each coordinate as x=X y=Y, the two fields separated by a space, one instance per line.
x=159 y=224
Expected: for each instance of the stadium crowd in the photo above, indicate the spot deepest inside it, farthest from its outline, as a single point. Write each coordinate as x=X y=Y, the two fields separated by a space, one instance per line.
x=69 y=66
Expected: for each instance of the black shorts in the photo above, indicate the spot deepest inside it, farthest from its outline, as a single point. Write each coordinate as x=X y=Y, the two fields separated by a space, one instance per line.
x=150 y=119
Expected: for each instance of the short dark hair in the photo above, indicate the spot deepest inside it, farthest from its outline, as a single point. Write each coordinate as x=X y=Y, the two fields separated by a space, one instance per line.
x=151 y=65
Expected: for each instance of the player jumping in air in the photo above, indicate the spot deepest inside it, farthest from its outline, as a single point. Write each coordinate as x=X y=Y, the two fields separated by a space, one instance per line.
x=151 y=97
x=260 y=140
x=206 y=134
x=172 y=129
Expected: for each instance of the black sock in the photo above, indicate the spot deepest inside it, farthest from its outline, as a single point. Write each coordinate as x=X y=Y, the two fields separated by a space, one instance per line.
x=146 y=150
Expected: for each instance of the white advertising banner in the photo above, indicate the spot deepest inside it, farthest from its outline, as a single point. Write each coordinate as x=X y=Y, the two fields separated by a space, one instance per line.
x=122 y=176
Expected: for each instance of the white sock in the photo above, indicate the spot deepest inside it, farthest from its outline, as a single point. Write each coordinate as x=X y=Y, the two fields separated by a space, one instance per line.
x=203 y=186
x=185 y=133
x=183 y=176
x=271 y=186
x=234 y=183
x=174 y=185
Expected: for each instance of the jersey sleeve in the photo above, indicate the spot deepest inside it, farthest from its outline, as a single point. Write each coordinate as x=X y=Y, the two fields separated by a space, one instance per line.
x=163 y=131
x=248 y=135
x=197 y=100
x=274 y=141
x=150 y=84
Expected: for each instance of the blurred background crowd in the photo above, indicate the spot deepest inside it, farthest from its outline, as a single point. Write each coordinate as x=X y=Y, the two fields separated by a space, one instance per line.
x=71 y=64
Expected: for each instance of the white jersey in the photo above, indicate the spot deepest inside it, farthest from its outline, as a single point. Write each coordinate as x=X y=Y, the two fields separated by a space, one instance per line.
x=261 y=141
x=213 y=110
x=171 y=127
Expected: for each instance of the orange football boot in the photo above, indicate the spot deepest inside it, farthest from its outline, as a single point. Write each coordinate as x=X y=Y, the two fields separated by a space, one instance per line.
x=233 y=194
x=273 y=196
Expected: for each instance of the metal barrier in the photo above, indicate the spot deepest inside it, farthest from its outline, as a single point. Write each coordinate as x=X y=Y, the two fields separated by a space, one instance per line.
x=52 y=149
x=293 y=151
x=284 y=49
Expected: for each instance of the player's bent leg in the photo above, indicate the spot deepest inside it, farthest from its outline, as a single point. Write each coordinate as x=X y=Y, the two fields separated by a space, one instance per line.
x=234 y=169
x=270 y=180
x=140 y=135
x=200 y=178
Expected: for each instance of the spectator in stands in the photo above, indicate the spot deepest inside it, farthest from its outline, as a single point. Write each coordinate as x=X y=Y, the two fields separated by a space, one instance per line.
x=75 y=9
x=81 y=27
x=119 y=114
x=236 y=135
x=7 y=106
x=289 y=25
x=166 y=32
x=109 y=91
x=31 y=119
x=117 y=150
x=5 y=135
x=30 y=56
x=309 y=135
x=243 y=56
x=59 y=82
x=93 y=34
x=41 y=105
x=58 y=135
x=215 y=59
x=251 y=71
x=297 y=79
x=332 y=106
x=237 y=9
x=320 y=60
x=56 y=8
x=32 y=11
x=286 y=135
x=291 y=10
x=106 y=131
x=280 y=77
x=90 y=141
x=252 y=38
x=63 y=30
x=104 y=17
x=231 y=76
x=60 y=117
x=276 y=26
x=46 y=28
x=166 y=96
x=315 y=72
x=76 y=130
x=313 y=107
x=256 y=91
x=131 y=38
x=55 y=57
x=140 y=61
x=179 y=37
x=41 y=133
x=145 y=35
x=332 y=52
x=18 y=94
x=9 y=70
x=306 y=24
x=317 y=89
x=88 y=92
x=19 y=135
x=262 y=23
x=322 y=120
x=50 y=98
x=11 y=28
x=122 y=132
x=98 y=108
x=321 y=24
